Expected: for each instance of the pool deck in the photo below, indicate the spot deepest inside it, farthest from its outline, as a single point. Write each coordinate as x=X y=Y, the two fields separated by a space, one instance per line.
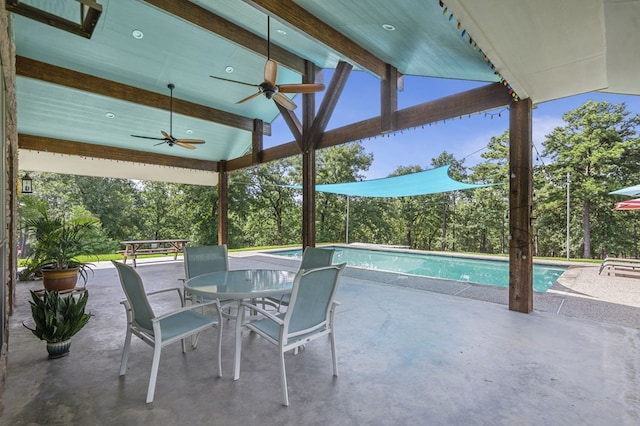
x=579 y=293
x=449 y=353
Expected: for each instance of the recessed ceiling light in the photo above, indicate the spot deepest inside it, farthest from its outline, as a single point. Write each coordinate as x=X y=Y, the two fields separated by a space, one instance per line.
x=228 y=69
x=137 y=34
x=281 y=32
x=110 y=115
x=189 y=131
x=388 y=27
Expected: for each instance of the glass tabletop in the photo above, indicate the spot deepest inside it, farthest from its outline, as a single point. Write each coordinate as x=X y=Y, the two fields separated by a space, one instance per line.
x=241 y=284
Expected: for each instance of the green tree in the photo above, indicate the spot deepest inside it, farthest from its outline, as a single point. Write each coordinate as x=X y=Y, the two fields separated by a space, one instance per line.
x=198 y=205
x=447 y=200
x=485 y=210
x=589 y=147
x=272 y=209
x=113 y=201
x=411 y=212
x=161 y=220
x=343 y=163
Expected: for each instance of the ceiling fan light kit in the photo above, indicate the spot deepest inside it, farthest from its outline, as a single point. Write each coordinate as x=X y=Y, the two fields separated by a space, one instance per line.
x=168 y=138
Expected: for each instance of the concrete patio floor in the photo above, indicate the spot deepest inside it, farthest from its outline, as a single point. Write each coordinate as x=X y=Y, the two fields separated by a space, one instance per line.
x=447 y=354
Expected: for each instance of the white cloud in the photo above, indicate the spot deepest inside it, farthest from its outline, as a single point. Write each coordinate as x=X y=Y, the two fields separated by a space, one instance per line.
x=544 y=125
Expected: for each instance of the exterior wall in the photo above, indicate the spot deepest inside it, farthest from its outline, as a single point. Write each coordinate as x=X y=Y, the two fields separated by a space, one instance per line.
x=8 y=184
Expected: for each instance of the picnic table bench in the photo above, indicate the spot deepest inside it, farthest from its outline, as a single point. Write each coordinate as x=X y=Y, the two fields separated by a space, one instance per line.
x=135 y=248
x=621 y=267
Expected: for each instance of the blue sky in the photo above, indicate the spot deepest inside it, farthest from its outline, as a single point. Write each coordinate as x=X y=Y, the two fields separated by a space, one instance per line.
x=464 y=137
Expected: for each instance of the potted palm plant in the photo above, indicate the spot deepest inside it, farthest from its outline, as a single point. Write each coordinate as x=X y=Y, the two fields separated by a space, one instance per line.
x=58 y=243
x=57 y=318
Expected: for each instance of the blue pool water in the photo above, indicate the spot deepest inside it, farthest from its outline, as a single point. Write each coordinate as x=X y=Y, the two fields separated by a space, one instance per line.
x=478 y=271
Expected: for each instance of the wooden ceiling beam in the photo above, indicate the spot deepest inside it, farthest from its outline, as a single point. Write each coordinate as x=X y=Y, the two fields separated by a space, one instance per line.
x=211 y=22
x=473 y=101
x=31 y=68
x=292 y=121
x=329 y=101
x=60 y=146
x=90 y=13
x=309 y=24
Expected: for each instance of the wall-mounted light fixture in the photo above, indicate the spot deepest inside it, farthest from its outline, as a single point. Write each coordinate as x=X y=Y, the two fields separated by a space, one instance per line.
x=27 y=187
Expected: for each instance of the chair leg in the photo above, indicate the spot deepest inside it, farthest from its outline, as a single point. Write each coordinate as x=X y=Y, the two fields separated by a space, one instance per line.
x=285 y=393
x=125 y=353
x=220 y=343
x=194 y=340
x=157 y=348
x=238 y=339
x=333 y=354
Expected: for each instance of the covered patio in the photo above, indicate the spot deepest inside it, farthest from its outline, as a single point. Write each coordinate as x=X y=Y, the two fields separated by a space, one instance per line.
x=411 y=350
x=454 y=354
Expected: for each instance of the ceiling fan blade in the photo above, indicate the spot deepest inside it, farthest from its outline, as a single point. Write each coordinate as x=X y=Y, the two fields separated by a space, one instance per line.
x=270 y=72
x=233 y=81
x=284 y=101
x=167 y=136
x=196 y=141
x=148 y=137
x=163 y=141
x=248 y=98
x=301 y=88
x=185 y=145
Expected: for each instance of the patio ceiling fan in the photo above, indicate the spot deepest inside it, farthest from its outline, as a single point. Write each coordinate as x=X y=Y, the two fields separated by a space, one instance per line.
x=269 y=88
x=168 y=138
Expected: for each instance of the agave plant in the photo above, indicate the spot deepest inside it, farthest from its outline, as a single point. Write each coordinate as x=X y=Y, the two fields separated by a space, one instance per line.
x=57 y=318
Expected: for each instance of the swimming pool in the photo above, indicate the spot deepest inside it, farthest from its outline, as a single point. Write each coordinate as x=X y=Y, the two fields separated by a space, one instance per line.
x=478 y=271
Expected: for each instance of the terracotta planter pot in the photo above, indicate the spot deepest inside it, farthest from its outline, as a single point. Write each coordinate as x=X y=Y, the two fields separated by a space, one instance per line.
x=60 y=280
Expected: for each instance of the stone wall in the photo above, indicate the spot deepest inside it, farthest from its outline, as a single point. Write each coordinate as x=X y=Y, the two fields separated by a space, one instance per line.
x=9 y=180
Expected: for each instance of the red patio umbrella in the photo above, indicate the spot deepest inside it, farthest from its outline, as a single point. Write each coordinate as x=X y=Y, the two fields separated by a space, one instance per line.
x=628 y=205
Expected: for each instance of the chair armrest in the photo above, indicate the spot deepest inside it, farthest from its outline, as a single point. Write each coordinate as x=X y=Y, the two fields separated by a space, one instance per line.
x=263 y=312
x=186 y=308
x=178 y=289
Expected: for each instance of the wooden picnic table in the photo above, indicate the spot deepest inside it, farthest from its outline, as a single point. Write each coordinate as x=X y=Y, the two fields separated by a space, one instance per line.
x=132 y=249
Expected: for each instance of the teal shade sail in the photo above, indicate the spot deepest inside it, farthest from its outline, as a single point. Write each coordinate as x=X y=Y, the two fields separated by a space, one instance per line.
x=421 y=183
x=631 y=191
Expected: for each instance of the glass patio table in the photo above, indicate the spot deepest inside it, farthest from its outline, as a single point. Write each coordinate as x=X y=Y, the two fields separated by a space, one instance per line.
x=239 y=285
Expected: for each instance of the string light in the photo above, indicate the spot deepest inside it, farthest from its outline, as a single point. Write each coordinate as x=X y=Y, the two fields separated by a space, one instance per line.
x=474 y=45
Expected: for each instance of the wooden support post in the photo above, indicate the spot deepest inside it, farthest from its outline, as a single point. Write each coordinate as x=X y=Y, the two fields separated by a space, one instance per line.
x=389 y=100
x=520 y=207
x=309 y=198
x=223 y=204
x=257 y=142
x=308 y=164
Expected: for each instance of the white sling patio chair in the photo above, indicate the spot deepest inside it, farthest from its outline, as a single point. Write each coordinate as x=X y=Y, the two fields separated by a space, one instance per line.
x=310 y=316
x=204 y=259
x=313 y=257
x=200 y=260
x=163 y=330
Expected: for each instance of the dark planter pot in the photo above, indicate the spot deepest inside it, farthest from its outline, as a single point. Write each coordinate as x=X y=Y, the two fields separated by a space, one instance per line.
x=60 y=280
x=58 y=349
